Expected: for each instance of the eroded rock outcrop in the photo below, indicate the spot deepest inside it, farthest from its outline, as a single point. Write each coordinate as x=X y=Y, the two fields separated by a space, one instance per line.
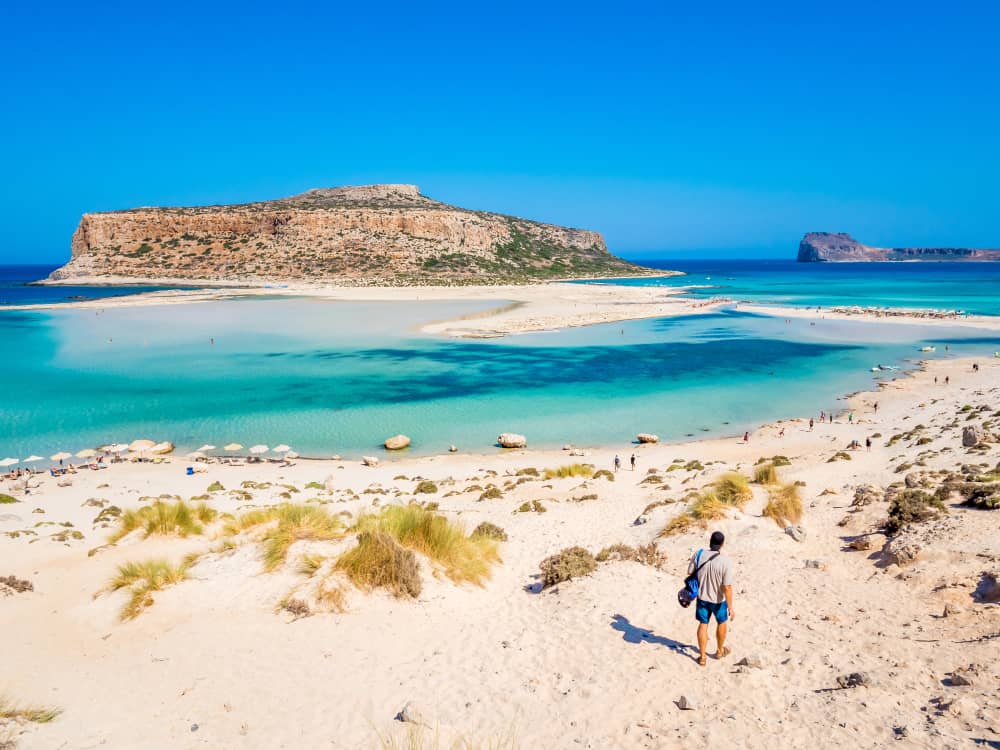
x=373 y=234
x=840 y=247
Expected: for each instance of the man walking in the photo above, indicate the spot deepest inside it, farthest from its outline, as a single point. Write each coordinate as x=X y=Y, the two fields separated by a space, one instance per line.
x=715 y=594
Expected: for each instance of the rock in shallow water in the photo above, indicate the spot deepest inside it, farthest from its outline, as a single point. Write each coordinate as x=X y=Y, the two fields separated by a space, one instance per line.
x=397 y=443
x=512 y=440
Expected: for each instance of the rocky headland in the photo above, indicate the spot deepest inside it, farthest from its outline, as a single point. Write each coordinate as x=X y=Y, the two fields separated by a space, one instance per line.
x=385 y=235
x=840 y=247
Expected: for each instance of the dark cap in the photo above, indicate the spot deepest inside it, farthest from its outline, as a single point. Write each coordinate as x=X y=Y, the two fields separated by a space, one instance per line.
x=715 y=542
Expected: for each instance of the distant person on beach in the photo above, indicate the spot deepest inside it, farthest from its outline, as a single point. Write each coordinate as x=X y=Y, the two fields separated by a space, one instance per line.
x=811 y=424
x=822 y=416
x=868 y=444
x=876 y=407
x=715 y=594
x=947 y=379
x=632 y=461
x=850 y=418
x=746 y=437
x=618 y=463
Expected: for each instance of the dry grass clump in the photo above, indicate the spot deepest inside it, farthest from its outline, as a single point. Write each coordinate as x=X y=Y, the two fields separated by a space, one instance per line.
x=913 y=506
x=646 y=554
x=490 y=531
x=142 y=579
x=297 y=523
x=840 y=456
x=784 y=505
x=296 y=607
x=10 y=711
x=604 y=474
x=179 y=519
x=765 y=474
x=379 y=561
x=426 y=487
x=309 y=564
x=7 y=499
x=463 y=557
x=491 y=493
x=733 y=489
x=527 y=471
x=570 y=563
x=215 y=487
x=570 y=470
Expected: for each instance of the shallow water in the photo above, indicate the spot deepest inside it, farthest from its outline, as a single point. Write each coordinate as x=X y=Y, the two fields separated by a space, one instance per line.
x=337 y=377
x=16 y=288
x=971 y=287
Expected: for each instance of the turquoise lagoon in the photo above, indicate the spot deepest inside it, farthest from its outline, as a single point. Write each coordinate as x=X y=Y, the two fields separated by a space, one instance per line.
x=337 y=377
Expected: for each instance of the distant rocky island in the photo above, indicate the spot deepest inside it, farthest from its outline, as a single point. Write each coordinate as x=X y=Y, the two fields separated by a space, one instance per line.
x=840 y=247
x=371 y=235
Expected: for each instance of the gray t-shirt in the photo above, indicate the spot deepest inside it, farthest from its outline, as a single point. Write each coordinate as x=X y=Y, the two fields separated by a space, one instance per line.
x=714 y=574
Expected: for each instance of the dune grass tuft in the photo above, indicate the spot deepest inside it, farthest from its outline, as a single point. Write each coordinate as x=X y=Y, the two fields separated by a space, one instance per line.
x=297 y=523
x=784 y=505
x=379 y=561
x=142 y=579
x=165 y=518
x=570 y=470
x=463 y=557
x=765 y=474
x=646 y=554
x=7 y=499
x=603 y=474
x=426 y=487
x=733 y=489
x=10 y=711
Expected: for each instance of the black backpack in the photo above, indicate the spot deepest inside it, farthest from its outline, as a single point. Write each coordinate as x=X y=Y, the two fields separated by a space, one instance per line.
x=690 y=591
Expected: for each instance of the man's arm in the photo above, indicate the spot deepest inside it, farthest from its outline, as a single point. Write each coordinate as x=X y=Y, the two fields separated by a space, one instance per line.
x=728 y=591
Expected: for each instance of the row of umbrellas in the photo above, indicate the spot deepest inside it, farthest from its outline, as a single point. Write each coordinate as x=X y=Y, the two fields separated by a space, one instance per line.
x=143 y=446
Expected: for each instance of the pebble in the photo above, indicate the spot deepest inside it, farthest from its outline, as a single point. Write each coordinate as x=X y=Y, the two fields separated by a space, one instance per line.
x=687 y=704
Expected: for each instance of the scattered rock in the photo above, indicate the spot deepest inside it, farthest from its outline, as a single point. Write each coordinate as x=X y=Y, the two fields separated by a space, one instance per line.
x=753 y=662
x=369 y=461
x=646 y=437
x=640 y=520
x=815 y=564
x=452 y=449
x=512 y=440
x=972 y=435
x=855 y=679
x=411 y=714
x=866 y=494
x=796 y=532
x=988 y=589
x=966 y=676
x=861 y=543
x=911 y=480
x=577 y=452
x=950 y=610
x=397 y=443
x=162 y=449
x=901 y=551
x=687 y=704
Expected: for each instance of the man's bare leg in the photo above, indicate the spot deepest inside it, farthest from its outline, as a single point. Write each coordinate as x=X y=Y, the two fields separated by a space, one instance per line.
x=702 y=643
x=720 y=637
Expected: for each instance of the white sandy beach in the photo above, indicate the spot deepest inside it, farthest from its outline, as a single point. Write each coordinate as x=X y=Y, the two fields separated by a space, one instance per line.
x=596 y=662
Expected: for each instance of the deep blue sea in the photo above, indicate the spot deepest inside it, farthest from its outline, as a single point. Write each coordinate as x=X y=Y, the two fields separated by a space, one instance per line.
x=15 y=288
x=337 y=377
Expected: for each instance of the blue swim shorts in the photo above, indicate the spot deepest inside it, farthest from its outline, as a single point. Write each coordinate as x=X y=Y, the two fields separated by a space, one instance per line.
x=704 y=610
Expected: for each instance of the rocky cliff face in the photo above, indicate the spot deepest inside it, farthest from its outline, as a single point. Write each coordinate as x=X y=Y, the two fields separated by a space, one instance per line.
x=374 y=234
x=841 y=247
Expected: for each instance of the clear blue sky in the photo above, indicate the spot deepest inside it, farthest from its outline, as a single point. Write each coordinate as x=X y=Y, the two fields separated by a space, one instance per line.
x=727 y=131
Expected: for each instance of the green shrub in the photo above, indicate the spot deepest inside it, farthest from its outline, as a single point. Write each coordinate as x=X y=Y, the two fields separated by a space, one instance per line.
x=426 y=487
x=570 y=563
x=490 y=531
x=493 y=493
x=7 y=499
x=215 y=487
x=379 y=561
x=603 y=474
x=570 y=470
x=913 y=506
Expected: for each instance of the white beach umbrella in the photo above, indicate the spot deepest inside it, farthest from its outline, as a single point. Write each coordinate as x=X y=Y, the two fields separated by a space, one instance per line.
x=8 y=462
x=258 y=449
x=115 y=448
x=291 y=454
x=207 y=447
x=32 y=459
x=233 y=447
x=282 y=448
x=86 y=453
x=140 y=445
x=61 y=456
